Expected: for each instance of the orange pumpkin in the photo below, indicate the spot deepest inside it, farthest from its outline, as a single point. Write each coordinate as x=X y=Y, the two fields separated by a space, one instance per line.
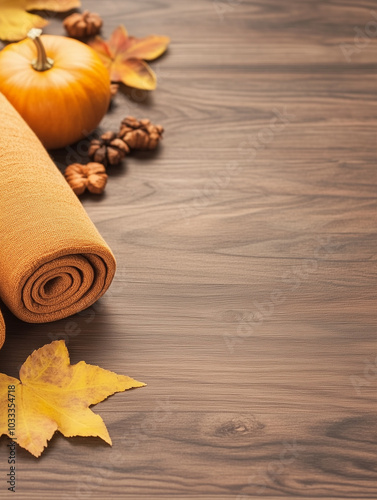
x=58 y=85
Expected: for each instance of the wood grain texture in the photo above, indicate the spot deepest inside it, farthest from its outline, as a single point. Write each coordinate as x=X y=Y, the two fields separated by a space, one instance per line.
x=247 y=262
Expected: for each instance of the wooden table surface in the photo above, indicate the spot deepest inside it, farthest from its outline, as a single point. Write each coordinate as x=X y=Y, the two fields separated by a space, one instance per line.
x=246 y=245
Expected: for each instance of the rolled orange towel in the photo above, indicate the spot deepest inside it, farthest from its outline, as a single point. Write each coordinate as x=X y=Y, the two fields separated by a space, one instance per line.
x=53 y=261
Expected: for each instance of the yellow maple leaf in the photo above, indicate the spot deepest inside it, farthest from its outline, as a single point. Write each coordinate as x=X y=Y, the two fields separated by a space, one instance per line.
x=124 y=56
x=54 y=395
x=16 y=21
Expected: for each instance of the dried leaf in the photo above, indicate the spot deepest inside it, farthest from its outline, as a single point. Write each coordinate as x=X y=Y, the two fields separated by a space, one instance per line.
x=54 y=395
x=16 y=22
x=124 y=57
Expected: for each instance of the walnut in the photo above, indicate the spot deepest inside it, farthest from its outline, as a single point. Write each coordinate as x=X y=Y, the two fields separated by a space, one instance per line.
x=108 y=149
x=80 y=25
x=140 y=134
x=91 y=177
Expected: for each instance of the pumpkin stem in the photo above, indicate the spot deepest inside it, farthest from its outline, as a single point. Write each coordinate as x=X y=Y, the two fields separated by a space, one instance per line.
x=42 y=62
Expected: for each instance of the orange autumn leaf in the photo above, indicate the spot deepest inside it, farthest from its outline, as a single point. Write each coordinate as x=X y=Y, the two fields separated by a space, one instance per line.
x=54 y=395
x=124 y=57
x=16 y=20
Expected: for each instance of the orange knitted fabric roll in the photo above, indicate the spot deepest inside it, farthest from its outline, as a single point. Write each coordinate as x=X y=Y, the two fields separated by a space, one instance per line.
x=53 y=261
